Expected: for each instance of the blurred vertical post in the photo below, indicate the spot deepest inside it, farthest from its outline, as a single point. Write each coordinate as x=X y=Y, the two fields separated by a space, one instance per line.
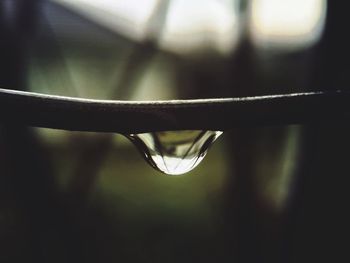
x=27 y=194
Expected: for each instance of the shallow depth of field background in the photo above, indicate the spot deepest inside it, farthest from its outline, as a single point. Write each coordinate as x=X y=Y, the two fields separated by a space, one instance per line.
x=262 y=194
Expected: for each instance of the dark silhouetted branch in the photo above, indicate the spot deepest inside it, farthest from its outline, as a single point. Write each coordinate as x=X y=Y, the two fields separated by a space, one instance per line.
x=39 y=110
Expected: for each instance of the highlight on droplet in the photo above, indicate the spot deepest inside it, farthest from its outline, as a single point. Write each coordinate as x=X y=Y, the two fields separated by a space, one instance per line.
x=174 y=152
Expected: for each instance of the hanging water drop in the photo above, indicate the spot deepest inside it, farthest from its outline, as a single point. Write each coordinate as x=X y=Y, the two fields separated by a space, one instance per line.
x=174 y=152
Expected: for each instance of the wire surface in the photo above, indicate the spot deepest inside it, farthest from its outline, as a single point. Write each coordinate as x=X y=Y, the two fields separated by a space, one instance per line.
x=40 y=110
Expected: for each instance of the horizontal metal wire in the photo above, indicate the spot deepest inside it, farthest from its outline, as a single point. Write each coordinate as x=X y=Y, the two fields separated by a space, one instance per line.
x=40 y=110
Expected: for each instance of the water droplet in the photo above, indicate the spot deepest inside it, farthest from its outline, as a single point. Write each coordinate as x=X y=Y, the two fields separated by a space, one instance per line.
x=174 y=152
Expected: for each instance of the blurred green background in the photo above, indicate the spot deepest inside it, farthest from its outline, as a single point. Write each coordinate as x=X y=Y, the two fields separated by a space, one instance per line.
x=262 y=194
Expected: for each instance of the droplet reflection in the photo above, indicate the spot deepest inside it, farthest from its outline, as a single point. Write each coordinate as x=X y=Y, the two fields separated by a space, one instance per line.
x=174 y=152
